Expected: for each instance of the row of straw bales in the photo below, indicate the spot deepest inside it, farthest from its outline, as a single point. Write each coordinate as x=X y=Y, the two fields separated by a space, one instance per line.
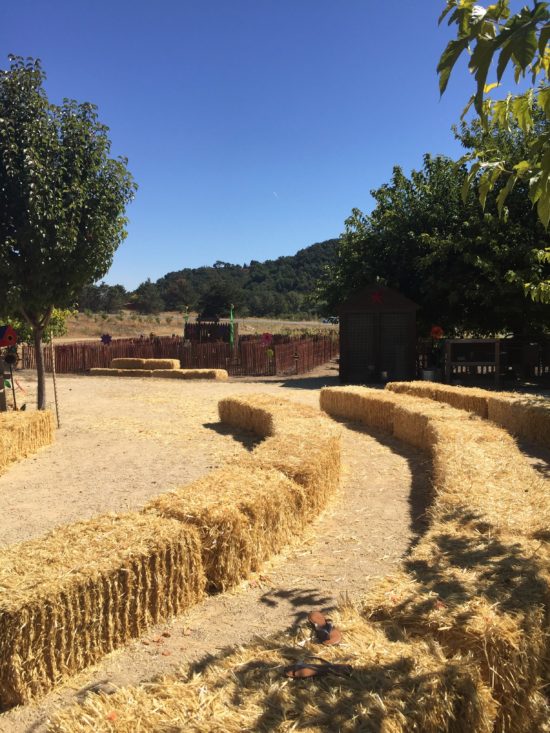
x=23 y=433
x=215 y=374
x=84 y=589
x=522 y=415
x=126 y=363
x=457 y=640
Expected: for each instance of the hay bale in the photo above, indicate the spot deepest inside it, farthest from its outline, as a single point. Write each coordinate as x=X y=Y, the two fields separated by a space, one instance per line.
x=471 y=399
x=23 y=433
x=217 y=374
x=126 y=363
x=414 y=420
x=371 y=407
x=396 y=687
x=155 y=364
x=522 y=416
x=244 y=514
x=134 y=372
x=70 y=597
x=101 y=372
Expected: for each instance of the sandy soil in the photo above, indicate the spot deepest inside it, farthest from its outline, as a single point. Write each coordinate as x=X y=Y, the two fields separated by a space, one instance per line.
x=123 y=441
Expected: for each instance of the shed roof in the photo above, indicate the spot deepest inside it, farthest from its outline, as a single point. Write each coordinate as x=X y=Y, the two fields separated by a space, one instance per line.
x=376 y=298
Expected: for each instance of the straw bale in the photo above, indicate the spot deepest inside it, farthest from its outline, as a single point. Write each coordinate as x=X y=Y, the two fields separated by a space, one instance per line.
x=217 y=374
x=125 y=363
x=471 y=399
x=266 y=415
x=395 y=687
x=372 y=407
x=102 y=372
x=415 y=420
x=23 y=433
x=244 y=514
x=312 y=461
x=522 y=416
x=84 y=589
x=478 y=595
x=482 y=477
x=161 y=364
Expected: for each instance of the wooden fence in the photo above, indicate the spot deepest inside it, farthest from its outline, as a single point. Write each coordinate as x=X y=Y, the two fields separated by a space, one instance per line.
x=248 y=358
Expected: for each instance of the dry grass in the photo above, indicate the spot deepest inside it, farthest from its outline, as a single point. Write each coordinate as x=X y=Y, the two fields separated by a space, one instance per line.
x=70 y=597
x=395 y=687
x=22 y=433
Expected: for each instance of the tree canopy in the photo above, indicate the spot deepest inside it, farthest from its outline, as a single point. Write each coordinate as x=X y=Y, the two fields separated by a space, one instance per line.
x=464 y=267
x=520 y=41
x=62 y=200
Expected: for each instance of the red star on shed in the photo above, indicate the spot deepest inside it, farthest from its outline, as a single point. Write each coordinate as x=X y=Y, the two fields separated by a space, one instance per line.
x=376 y=297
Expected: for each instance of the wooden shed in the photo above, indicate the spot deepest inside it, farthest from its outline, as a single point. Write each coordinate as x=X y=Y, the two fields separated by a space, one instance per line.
x=377 y=336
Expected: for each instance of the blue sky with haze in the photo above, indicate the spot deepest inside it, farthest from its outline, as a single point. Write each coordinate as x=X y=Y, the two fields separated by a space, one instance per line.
x=252 y=127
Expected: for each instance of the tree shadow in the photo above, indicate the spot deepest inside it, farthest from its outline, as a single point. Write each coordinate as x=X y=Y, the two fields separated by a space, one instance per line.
x=538 y=457
x=303 y=600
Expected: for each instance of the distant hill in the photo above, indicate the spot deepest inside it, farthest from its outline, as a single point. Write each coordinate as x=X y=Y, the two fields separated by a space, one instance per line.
x=281 y=288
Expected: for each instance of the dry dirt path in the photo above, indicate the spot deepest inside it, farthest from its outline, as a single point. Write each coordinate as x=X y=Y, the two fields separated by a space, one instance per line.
x=361 y=536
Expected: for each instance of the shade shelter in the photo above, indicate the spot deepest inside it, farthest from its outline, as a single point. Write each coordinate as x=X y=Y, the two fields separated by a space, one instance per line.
x=377 y=336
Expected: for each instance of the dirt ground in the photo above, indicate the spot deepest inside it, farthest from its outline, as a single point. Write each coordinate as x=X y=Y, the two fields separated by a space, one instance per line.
x=124 y=441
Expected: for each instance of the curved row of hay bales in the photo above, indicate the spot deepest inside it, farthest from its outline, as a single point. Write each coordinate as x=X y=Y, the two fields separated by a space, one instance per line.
x=457 y=640
x=23 y=433
x=79 y=592
x=163 y=368
x=524 y=416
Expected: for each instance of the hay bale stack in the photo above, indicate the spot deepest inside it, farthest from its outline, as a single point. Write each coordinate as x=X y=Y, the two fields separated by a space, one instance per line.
x=125 y=363
x=396 y=687
x=523 y=416
x=471 y=399
x=83 y=590
x=244 y=514
x=23 y=433
x=372 y=407
x=266 y=415
x=216 y=374
x=155 y=364
x=102 y=372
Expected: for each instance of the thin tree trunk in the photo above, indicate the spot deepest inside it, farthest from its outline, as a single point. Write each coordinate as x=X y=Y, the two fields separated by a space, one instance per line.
x=40 y=367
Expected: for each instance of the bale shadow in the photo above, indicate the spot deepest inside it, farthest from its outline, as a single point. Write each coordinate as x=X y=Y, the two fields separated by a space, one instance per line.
x=248 y=440
x=538 y=457
x=421 y=494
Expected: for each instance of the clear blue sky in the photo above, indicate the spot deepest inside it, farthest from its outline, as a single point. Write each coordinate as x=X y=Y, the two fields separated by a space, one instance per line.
x=252 y=127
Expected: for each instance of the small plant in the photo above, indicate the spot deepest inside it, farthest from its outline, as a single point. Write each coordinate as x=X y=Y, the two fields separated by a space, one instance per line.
x=169 y=320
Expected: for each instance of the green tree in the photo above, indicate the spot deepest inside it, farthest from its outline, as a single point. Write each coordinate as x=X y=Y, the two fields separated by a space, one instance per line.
x=62 y=201
x=464 y=267
x=520 y=40
x=216 y=301
x=148 y=299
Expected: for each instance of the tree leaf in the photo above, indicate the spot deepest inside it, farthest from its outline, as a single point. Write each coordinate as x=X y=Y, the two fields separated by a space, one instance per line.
x=448 y=59
x=502 y=196
x=543 y=207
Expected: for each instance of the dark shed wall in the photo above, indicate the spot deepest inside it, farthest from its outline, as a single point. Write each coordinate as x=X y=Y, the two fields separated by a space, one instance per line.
x=377 y=335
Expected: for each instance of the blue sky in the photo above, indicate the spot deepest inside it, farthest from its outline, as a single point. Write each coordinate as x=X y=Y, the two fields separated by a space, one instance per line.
x=252 y=127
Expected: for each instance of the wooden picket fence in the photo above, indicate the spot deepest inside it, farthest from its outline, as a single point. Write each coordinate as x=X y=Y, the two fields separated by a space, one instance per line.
x=249 y=357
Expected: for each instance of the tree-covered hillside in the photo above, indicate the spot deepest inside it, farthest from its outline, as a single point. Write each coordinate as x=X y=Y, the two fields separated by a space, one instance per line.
x=281 y=287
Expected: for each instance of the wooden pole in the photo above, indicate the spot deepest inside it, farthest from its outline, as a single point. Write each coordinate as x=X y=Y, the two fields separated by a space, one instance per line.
x=54 y=381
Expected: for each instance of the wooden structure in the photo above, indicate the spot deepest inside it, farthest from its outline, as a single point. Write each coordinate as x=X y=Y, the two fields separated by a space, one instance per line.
x=209 y=332
x=472 y=355
x=377 y=336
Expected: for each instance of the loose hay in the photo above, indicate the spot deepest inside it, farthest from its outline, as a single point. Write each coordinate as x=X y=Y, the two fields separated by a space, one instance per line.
x=22 y=433
x=84 y=589
x=395 y=687
x=177 y=373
